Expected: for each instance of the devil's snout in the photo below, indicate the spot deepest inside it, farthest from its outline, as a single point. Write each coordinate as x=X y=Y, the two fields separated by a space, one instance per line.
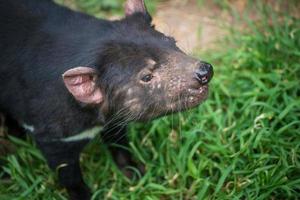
x=204 y=73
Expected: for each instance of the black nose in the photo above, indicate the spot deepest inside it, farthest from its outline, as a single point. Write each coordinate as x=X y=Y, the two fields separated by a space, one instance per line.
x=204 y=73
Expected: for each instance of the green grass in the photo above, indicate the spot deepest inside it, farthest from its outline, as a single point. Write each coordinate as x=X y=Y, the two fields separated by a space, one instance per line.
x=242 y=143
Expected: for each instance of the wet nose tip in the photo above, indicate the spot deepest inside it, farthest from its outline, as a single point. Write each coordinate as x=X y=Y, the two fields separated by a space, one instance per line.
x=204 y=72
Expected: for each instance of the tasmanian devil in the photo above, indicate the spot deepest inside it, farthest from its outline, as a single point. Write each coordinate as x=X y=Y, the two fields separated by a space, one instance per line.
x=66 y=76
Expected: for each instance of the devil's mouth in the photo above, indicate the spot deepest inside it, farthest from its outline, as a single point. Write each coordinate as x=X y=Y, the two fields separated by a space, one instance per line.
x=190 y=98
x=197 y=95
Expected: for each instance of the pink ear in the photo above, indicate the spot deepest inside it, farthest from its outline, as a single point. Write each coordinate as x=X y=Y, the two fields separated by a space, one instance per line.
x=134 y=6
x=81 y=83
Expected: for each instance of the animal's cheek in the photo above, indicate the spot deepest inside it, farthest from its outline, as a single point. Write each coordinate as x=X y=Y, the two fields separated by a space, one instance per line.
x=130 y=92
x=134 y=105
x=133 y=98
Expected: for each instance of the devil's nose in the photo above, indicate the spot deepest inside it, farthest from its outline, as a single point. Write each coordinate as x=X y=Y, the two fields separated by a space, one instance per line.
x=204 y=72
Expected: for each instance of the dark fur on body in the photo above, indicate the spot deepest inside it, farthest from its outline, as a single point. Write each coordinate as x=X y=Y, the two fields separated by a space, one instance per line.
x=40 y=40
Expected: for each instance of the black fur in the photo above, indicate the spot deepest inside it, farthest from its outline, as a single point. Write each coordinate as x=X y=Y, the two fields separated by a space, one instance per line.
x=40 y=40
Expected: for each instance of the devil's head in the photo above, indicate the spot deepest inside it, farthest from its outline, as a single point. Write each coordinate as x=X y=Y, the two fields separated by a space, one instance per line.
x=141 y=73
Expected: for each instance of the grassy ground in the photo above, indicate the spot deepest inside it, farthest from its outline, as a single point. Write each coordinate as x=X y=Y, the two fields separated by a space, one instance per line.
x=243 y=143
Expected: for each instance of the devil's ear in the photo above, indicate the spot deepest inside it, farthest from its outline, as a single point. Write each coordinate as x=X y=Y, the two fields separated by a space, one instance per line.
x=81 y=83
x=135 y=6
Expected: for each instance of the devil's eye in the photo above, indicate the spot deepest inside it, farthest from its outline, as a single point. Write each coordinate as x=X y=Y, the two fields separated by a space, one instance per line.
x=147 y=78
